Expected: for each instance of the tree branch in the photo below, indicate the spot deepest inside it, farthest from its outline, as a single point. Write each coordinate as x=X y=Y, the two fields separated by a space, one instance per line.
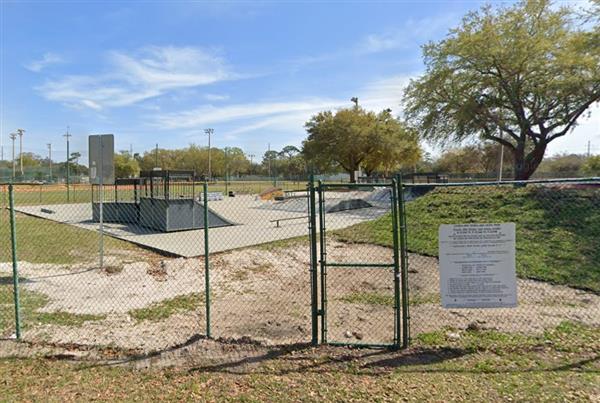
x=572 y=119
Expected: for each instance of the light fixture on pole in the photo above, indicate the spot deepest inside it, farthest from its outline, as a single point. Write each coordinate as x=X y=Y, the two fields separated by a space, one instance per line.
x=20 y=132
x=209 y=132
x=13 y=137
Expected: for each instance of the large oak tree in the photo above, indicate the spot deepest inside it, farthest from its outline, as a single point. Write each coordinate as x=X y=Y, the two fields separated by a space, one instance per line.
x=353 y=138
x=521 y=76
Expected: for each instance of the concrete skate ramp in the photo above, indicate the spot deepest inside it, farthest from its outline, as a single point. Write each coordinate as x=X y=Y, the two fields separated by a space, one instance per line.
x=334 y=202
x=299 y=205
x=177 y=215
x=381 y=197
x=350 y=204
x=160 y=214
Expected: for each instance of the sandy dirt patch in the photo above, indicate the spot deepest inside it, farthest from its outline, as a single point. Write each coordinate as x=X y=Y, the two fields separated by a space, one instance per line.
x=263 y=295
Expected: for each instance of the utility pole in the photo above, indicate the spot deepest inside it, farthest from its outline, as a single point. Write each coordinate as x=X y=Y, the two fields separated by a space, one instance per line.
x=21 y=131
x=68 y=136
x=13 y=137
x=355 y=100
x=209 y=132
x=156 y=156
x=50 y=160
x=589 y=150
x=251 y=157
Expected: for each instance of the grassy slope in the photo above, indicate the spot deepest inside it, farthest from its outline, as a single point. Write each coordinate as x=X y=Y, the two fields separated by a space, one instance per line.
x=45 y=241
x=558 y=230
x=561 y=365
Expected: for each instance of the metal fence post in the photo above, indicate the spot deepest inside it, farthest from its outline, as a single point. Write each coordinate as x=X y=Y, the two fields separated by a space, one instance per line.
x=313 y=262
x=206 y=260
x=13 y=238
x=403 y=263
x=323 y=263
x=397 y=275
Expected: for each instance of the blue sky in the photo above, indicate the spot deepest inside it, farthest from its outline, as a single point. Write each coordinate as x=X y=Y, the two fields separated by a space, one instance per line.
x=160 y=72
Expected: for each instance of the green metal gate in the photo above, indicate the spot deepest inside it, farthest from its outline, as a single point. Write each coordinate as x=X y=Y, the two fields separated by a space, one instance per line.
x=358 y=264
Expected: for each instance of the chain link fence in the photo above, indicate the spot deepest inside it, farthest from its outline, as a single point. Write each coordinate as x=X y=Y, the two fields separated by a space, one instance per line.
x=557 y=255
x=142 y=282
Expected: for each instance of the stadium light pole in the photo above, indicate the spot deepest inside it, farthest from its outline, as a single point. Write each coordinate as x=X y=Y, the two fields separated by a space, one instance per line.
x=269 y=159
x=209 y=132
x=50 y=160
x=21 y=132
x=67 y=136
x=251 y=157
x=13 y=137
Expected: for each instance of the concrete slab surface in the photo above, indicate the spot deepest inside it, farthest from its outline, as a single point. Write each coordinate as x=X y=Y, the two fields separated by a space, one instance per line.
x=254 y=224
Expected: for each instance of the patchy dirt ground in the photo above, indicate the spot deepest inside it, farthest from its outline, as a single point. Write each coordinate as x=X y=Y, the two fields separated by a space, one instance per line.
x=262 y=296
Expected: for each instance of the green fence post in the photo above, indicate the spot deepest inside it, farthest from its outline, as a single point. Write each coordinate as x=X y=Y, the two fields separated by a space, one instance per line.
x=313 y=262
x=397 y=319
x=13 y=238
x=323 y=262
x=206 y=260
x=403 y=263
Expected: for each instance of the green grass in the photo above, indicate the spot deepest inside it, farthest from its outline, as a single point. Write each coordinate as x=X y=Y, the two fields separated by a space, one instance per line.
x=164 y=309
x=45 y=241
x=557 y=229
x=481 y=366
x=30 y=303
x=568 y=337
x=27 y=195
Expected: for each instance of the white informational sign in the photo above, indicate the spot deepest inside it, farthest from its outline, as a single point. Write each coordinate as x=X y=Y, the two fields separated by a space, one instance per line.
x=477 y=265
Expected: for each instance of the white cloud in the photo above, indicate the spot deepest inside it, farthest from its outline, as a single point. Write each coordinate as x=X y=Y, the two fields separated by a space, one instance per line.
x=384 y=93
x=209 y=114
x=147 y=73
x=47 y=59
x=285 y=116
x=91 y=104
x=411 y=33
x=216 y=97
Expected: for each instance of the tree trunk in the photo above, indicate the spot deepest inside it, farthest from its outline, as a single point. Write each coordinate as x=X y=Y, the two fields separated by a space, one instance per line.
x=352 y=176
x=526 y=165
